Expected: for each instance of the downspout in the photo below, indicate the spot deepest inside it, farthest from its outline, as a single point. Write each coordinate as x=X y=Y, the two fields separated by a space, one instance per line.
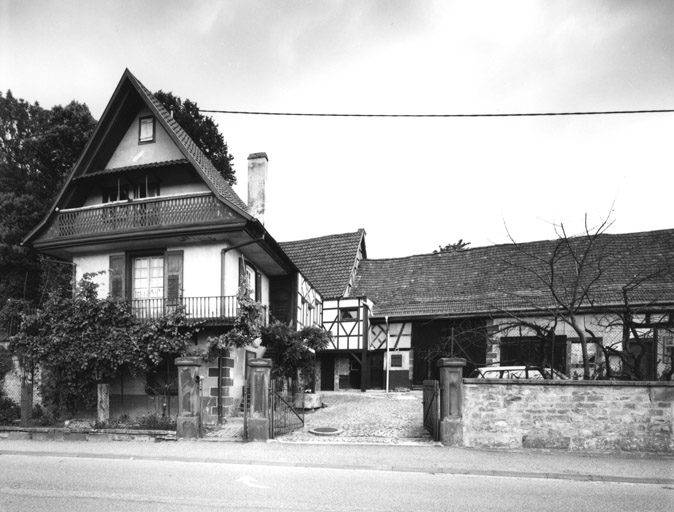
x=387 y=354
x=365 y=370
x=222 y=290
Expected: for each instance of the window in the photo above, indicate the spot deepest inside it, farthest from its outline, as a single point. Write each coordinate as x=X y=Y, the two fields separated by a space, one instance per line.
x=146 y=190
x=251 y=281
x=145 y=129
x=118 y=193
x=307 y=313
x=396 y=360
x=348 y=313
x=148 y=286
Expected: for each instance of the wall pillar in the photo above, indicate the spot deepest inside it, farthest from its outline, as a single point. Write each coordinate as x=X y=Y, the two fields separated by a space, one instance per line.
x=451 y=401
x=257 y=420
x=189 y=407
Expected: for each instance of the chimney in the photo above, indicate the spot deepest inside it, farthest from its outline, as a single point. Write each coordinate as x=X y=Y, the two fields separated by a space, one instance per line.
x=257 y=183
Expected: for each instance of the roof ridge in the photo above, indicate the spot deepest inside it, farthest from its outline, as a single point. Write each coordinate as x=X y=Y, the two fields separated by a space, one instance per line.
x=324 y=237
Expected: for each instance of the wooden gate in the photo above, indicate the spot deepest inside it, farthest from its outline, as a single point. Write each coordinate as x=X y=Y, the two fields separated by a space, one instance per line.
x=432 y=408
x=286 y=407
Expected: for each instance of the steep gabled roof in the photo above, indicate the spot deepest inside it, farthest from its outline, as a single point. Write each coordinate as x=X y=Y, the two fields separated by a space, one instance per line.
x=130 y=95
x=329 y=262
x=492 y=280
x=203 y=164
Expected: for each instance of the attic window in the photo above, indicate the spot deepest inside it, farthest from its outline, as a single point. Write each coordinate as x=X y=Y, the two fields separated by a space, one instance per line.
x=146 y=129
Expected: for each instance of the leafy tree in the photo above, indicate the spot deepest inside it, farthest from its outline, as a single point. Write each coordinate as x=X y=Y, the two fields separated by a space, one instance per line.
x=294 y=351
x=246 y=327
x=203 y=131
x=38 y=147
x=78 y=341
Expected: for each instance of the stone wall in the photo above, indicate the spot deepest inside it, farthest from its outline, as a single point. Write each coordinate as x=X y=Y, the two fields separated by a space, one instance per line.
x=592 y=416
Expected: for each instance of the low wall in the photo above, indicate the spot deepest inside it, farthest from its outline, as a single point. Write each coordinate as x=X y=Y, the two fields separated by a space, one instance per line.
x=591 y=416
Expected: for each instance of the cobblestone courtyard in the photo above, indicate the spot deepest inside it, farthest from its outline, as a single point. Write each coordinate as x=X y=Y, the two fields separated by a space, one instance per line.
x=371 y=417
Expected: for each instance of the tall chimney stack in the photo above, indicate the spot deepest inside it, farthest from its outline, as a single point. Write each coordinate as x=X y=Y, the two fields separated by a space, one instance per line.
x=257 y=183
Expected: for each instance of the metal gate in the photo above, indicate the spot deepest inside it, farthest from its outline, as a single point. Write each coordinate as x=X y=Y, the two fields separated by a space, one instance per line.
x=432 y=408
x=286 y=407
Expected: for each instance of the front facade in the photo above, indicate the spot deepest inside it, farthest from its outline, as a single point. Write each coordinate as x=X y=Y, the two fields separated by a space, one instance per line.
x=147 y=213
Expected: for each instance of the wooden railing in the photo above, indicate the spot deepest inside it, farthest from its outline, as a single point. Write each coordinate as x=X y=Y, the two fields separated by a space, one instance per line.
x=140 y=214
x=212 y=310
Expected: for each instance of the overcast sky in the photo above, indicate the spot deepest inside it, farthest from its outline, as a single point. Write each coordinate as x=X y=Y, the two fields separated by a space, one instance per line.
x=413 y=184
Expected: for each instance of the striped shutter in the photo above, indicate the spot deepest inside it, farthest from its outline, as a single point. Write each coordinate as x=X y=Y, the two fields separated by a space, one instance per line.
x=173 y=274
x=117 y=276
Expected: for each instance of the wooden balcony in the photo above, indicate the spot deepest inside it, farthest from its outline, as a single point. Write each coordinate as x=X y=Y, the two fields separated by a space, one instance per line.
x=210 y=310
x=138 y=215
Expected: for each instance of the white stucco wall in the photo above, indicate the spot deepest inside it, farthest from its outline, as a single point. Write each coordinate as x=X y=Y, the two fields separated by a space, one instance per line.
x=130 y=152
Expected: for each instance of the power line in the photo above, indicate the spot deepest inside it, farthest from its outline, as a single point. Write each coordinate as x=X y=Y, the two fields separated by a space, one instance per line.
x=524 y=114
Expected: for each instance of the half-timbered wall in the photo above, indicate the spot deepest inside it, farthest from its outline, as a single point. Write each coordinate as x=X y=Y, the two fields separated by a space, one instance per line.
x=309 y=304
x=343 y=318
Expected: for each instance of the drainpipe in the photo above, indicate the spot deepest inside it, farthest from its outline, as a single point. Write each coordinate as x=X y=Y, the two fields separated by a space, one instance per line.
x=220 y=355
x=387 y=354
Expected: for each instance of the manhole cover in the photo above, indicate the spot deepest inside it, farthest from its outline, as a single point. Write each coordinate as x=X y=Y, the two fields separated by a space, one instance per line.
x=326 y=431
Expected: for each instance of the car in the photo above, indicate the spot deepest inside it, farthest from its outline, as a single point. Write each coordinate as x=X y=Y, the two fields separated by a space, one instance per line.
x=518 y=372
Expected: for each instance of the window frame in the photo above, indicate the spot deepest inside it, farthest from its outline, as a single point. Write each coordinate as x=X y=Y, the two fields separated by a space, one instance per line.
x=146 y=140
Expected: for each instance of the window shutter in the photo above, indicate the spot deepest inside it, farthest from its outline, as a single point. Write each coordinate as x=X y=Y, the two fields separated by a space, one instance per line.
x=117 y=276
x=258 y=287
x=173 y=274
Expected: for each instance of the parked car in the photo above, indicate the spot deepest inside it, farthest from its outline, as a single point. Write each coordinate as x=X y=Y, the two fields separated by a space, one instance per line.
x=517 y=372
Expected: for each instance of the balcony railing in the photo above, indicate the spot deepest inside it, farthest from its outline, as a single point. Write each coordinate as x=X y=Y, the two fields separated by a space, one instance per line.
x=211 y=310
x=140 y=214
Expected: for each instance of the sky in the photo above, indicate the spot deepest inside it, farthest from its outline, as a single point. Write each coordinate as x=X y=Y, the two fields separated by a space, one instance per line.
x=412 y=183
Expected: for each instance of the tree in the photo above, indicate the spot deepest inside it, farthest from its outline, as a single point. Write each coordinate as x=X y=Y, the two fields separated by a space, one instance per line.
x=38 y=148
x=294 y=351
x=203 y=131
x=455 y=247
x=80 y=340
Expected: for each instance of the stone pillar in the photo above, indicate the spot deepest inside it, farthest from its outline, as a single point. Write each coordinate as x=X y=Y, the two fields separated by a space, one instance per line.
x=103 y=406
x=257 y=421
x=189 y=407
x=451 y=401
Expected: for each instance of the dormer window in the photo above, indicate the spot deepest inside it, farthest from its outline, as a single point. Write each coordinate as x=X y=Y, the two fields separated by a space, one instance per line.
x=145 y=129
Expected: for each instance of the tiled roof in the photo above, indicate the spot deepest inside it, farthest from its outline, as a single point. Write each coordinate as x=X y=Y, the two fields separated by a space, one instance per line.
x=491 y=280
x=327 y=261
x=209 y=171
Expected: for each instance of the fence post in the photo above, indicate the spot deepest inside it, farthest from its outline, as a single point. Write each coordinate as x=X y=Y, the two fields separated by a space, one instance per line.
x=257 y=422
x=188 y=424
x=451 y=401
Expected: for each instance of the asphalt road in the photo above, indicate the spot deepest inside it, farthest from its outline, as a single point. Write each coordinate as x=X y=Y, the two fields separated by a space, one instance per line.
x=31 y=482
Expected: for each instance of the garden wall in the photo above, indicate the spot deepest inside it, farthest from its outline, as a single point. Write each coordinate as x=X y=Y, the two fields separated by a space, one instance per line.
x=594 y=416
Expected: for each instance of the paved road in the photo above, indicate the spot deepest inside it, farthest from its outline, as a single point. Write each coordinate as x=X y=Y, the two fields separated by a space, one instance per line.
x=34 y=482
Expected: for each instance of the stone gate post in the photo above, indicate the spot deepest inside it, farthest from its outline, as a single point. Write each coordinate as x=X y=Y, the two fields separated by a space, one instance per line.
x=259 y=377
x=451 y=400
x=189 y=407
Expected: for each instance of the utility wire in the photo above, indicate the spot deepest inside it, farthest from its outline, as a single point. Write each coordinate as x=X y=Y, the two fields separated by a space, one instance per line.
x=527 y=114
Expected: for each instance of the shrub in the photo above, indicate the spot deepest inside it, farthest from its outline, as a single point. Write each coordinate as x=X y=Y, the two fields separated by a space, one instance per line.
x=10 y=412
